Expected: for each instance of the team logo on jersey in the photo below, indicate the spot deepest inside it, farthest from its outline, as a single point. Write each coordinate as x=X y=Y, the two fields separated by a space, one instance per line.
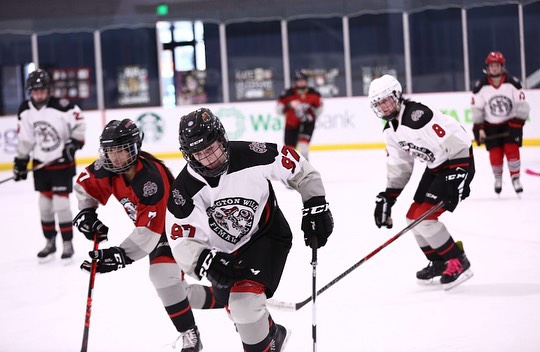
x=258 y=147
x=417 y=115
x=232 y=218
x=149 y=189
x=47 y=136
x=130 y=208
x=420 y=153
x=178 y=198
x=500 y=106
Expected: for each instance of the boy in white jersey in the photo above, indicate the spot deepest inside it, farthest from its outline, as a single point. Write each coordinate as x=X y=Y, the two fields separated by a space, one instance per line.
x=50 y=130
x=224 y=222
x=414 y=131
x=499 y=112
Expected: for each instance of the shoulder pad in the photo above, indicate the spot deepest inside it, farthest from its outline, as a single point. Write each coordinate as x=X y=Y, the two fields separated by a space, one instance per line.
x=513 y=81
x=183 y=189
x=479 y=84
x=148 y=184
x=416 y=115
x=60 y=104
x=23 y=107
x=249 y=154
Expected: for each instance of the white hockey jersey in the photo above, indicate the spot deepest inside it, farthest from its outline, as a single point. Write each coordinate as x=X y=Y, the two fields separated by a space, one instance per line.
x=425 y=134
x=226 y=212
x=43 y=133
x=498 y=104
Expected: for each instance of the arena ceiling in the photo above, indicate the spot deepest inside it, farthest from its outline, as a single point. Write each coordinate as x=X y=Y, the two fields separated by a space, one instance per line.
x=43 y=16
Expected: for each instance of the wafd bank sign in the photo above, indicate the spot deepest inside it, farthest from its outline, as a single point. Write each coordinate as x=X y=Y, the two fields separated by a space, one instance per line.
x=344 y=123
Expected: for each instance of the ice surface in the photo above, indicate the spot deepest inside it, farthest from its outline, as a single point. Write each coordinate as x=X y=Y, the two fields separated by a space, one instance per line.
x=378 y=307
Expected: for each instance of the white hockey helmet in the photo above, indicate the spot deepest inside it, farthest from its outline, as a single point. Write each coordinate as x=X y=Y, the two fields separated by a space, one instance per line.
x=385 y=97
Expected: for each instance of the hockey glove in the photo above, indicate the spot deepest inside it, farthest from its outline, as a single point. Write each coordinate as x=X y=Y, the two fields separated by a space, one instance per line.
x=70 y=148
x=455 y=184
x=383 y=210
x=20 y=168
x=109 y=259
x=317 y=221
x=88 y=223
x=479 y=134
x=220 y=268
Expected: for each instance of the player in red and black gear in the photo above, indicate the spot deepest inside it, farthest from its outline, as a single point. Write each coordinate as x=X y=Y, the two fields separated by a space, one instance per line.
x=301 y=106
x=499 y=111
x=141 y=183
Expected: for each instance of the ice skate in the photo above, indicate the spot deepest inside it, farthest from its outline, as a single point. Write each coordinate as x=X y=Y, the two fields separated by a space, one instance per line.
x=279 y=338
x=517 y=184
x=498 y=184
x=47 y=253
x=429 y=275
x=191 y=341
x=457 y=271
x=67 y=252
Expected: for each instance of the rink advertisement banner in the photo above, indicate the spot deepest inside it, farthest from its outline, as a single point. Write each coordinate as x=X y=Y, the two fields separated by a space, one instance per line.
x=345 y=123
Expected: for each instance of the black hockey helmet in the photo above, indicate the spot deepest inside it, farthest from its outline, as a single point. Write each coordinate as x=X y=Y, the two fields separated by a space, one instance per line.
x=197 y=131
x=119 y=136
x=38 y=79
x=300 y=75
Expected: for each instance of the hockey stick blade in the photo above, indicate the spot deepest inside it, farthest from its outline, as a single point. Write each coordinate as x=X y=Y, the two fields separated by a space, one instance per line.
x=532 y=172
x=286 y=306
x=40 y=166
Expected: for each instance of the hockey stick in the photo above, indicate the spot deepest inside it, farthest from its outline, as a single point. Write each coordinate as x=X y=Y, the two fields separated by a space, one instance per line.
x=314 y=294
x=494 y=136
x=39 y=167
x=93 y=270
x=532 y=172
x=296 y=306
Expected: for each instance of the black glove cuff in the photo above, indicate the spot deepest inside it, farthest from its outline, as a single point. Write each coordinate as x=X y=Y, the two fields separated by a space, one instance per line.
x=315 y=201
x=204 y=262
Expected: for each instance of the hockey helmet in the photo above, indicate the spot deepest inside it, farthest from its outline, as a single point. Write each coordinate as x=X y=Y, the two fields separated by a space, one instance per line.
x=385 y=90
x=38 y=79
x=495 y=56
x=120 y=136
x=198 y=130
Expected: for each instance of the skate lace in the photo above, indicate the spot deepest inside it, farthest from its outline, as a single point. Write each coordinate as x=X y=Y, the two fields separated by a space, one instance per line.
x=453 y=266
x=190 y=338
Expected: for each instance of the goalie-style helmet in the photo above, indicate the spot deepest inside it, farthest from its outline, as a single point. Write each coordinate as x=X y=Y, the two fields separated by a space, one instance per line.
x=495 y=56
x=385 y=97
x=198 y=130
x=119 y=137
x=38 y=79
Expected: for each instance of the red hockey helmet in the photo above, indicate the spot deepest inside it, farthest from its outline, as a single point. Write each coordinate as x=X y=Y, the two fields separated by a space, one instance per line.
x=495 y=56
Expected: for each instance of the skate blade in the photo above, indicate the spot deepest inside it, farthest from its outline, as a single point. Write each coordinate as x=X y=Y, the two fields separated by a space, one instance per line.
x=284 y=344
x=46 y=259
x=67 y=261
x=461 y=279
x=432 y=282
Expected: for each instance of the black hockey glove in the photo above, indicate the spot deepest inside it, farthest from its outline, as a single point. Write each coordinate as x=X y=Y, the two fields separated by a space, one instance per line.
x=70 y=148
x=317 y=221
x=383 y=210
x=109 y=259
x=220 y=268
x=88 y=223
x=455 y=183
x=20 y=168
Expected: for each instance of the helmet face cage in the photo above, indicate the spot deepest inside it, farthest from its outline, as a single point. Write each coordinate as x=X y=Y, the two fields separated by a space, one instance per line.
x=198 y=131
x=120 y=145
x=385 y=91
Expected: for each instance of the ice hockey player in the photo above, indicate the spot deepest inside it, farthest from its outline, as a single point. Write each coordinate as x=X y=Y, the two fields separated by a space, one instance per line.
x=224 y=222
x=415 y=131
x=51 y=130
x=301 y=105
x=499 y=111
x=141 y=184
